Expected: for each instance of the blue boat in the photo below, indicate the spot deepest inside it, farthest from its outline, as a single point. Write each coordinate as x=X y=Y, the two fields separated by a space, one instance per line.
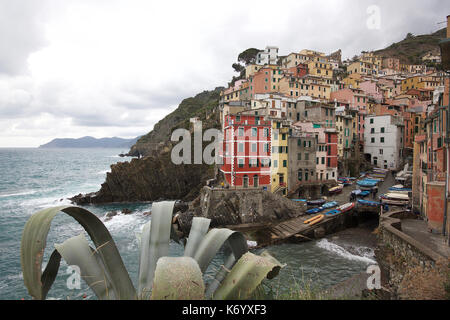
x=400 y=189
x=332 y=212
x=314 y=210
x=329 y=205
x=364 y=193
x=368 y=183
x=299 y=200
x=369 y=203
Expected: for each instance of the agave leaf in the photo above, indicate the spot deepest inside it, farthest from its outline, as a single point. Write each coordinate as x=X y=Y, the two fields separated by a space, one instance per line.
x=220 y=275
x=50 y=272
x=76 y=252
x=246 y=276
x=154 y=244
x=34 y=239
x=214 y=240
x=199 y=228
x=177 y=278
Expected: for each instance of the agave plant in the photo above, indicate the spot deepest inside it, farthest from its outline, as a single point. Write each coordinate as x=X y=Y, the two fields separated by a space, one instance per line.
x=160 y=276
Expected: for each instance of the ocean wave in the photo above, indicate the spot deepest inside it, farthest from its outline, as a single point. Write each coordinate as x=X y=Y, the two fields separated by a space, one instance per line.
x=364 y=254
x=24 y=193
x=103 y=172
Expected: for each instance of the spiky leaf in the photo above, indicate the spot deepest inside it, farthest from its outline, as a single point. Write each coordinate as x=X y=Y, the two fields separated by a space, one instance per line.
x=34 y=240
x=246 y=276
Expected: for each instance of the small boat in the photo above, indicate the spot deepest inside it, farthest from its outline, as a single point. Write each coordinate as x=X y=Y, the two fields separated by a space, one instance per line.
x=356 y=192
x=396 y=196
x=368 y=203
x=332 y=212
x=367 y=183
x=309 y=221
x=317 y=202
x=363 y=194
x=399 y=189
x=299 y=200
x=314 y=210
x=336 y=189
x=345 y=181
x=329 y=205
x=346 y=207
x=394 y=202
x=320 y=218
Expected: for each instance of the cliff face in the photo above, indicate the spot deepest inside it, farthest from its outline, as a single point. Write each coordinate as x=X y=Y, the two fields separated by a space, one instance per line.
x=154 y=176
x=243 y=206
x=149 y=179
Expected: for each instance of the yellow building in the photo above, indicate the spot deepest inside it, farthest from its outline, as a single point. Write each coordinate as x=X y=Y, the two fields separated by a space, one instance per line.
x=279 y=158
x=370 y=57
x=421 y=82
x=251 y=69
x=353 y=80
x=307 y=86
x=320 y=67
x=363 y=68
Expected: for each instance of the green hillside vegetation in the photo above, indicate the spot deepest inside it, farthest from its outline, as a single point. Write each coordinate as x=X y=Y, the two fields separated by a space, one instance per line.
x=411 y=49
x=203 y=106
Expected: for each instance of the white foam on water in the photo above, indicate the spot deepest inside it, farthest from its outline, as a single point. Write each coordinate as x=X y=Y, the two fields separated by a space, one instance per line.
x=121 y=222
x=340 y=251
x=103 y=172
x=24 y=193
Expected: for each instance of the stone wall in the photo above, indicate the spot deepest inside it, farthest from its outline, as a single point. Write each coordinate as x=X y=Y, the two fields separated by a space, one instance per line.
x=230 y=207
x=396 y=252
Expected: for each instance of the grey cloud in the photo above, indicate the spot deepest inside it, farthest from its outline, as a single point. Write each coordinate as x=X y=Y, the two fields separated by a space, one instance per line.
x=21 y=33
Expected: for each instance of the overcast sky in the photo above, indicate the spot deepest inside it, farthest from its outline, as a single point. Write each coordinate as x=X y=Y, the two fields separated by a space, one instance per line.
x=71 y=68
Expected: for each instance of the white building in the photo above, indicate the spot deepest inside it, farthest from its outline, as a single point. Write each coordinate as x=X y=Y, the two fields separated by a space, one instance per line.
x=383 y=141
x=268 y=56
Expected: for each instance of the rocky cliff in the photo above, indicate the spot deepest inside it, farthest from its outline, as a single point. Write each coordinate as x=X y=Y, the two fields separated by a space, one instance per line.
x=227 y=207
x=154 y=176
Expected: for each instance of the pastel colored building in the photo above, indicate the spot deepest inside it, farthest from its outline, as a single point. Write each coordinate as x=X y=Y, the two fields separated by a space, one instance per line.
x=246 y=150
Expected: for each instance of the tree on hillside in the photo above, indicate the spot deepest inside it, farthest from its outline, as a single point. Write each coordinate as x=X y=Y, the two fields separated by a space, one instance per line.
x=409 y=35
x=248 y=56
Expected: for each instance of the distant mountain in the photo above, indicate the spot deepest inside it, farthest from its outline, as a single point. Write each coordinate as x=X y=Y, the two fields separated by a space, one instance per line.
x=90 y=142
x=411 y=49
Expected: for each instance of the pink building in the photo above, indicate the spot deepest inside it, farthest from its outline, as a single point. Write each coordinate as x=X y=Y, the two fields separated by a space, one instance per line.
x=372 y=89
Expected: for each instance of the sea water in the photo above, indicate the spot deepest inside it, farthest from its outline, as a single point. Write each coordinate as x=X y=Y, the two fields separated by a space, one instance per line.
x=34 y=179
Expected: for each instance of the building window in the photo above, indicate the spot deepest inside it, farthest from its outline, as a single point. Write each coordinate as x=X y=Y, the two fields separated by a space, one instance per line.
x=371 y=120
x=241 y=132
x=240 y=147
x=382 y=130
x=382 y=139
x=253 y=163
x=241 y=163
x=266 y=132
x=284 y=163
x=254 y=147
x=372 y=130
x=254 y=132
x=300 y=175
x=275 y=163
x=372 y=140
x=299 y=156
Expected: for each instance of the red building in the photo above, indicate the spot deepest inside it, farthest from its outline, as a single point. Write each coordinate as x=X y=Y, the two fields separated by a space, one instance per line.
x=331 y=138
x=247 y=150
